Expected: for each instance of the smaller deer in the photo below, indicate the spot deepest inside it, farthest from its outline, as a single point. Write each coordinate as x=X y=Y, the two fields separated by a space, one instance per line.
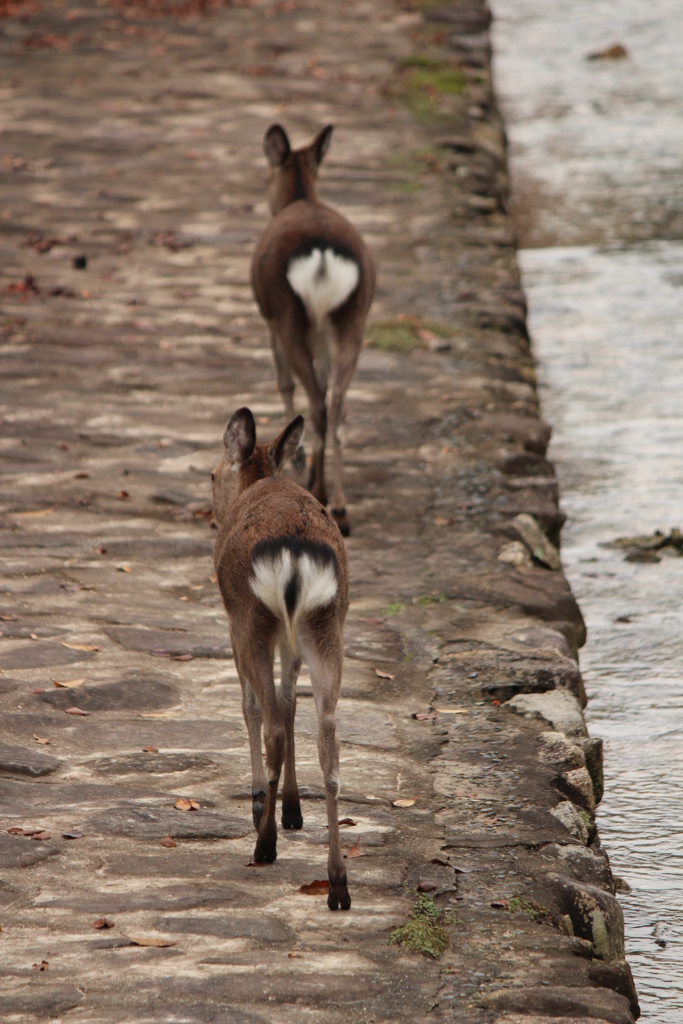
x=283 y=574
x=313 y=279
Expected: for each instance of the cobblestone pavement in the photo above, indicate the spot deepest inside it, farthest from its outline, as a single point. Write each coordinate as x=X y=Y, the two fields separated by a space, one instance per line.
x=133 y=139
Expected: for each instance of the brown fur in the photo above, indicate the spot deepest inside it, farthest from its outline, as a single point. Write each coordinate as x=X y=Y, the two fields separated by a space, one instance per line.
x=252 y=506
x=299 y=222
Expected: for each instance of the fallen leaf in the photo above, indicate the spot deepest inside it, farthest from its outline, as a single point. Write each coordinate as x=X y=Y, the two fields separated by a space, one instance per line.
x=8 y=618
x=500 y=904
x=156 y=714
x=37 y=689
x=451 y=711
x=354 y=851
x=347 y=821
x=122 y=495
x=40 y=836
x=31 y=831
x=102 y=922
x=184 y=803
x=123 y=568
x=168 y=842
x=34 y=515
x=160 y=654
x=442 y=863
x=79 y=647
x=213 y=579
x=150 y=749
x=81 y=476
x=440 y=521
x=75 y=711
x=422 y=716
x=183 y=657
x=68 y=684
x=403 y=802
x=295 y=956
x=427 y=887
x=375 y=621
x=42 y=966
x=152 y=940
x=317 y=888
x=384 y=675
x=40 y=739
x=16 y=830
x=100 y=550
x=75 y=834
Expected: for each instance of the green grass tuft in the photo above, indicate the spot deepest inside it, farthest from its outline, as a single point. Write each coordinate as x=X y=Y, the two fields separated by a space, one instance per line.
x=422 y=932
x=424 y=80
x=428 y=599
x=394 y=608
x=518 y=905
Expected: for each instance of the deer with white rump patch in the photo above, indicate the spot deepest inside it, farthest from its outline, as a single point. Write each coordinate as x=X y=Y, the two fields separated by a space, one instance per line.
x=313 y=279
x=283 y=574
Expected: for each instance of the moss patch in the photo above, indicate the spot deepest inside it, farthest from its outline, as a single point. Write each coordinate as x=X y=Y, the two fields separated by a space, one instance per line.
x=423 y=932
x=394 y=608
x=424 y=81
x=518 y=905
x=428 y=599
x=402 y=334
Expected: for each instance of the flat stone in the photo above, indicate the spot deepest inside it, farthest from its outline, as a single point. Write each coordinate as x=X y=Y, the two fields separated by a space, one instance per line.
x=581 y=863
x=266 y=928
x=561 y=1001
x=368 y=728
x=537 y=636
x=596 y=915
x=41 y=1000
x=39 y=654
x=151 y=764
x=25 y=761
x=559 y=708
x=146 y=693
x=22 y=852
x=173 y=642
x=155 y=823
x=179 y=897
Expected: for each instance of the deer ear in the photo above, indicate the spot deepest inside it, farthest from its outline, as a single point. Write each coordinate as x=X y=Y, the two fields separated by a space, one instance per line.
x=276 y=145
x=240 y=437
x=320 y=145
x=287 y=444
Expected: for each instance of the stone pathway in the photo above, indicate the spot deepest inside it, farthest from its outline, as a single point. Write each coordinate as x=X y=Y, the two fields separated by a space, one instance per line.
x=135 y=141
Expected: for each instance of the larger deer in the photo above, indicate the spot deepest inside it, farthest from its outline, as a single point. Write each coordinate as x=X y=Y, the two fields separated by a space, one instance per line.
x=313 y=279
x=283 y=574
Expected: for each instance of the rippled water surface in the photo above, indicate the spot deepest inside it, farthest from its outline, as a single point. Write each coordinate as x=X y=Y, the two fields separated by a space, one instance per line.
x=596 y=146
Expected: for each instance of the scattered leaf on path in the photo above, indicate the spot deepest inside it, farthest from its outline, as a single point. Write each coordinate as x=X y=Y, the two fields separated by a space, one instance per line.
x=102 y=922
x=213 y=579
x=451 y=711
x=123 y=568
x=317 y=888
x=122 y=495
x=79 y=647
x=40 y=836
x=40 y=739
x=150 y=749
x=183 y=657
x=384 y=675
x=42 y=966
x=403 y=802
x=8 y=618
x=423 y=716
x=354 y=851
x=499 y=904
x=160 y=654
x=184 y=803
x=76 y=711
x=37 y=689
x=295 y=956
x=427 y=886
x=74 y=834
x=168 y=842
x=16 y=830
x=347 y=821
x=68 y=684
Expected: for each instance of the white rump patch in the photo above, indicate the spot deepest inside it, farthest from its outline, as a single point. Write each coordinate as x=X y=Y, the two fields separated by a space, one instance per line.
x=315 y=587
x=323 y=280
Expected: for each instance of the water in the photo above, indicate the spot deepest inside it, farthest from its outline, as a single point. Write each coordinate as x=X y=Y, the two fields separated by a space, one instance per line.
x=596 y=149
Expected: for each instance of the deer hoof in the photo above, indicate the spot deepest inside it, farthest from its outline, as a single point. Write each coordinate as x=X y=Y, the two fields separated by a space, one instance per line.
x=338 y=896
x=264 y=852
x=257 y=803
x=341 y=519
x=291 y=815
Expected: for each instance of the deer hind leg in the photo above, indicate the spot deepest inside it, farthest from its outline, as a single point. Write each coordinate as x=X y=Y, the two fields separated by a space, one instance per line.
x=285 y=380
x=326 y=668
x=346 y=349
x=304 y=368
x=253 y=721
x=291 y=807
x=256 y=666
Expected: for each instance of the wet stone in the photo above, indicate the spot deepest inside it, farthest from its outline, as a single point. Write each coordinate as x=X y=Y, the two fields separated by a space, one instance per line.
x=268 y=929
x=144 y=694
x=145 y=823
x=24 y=761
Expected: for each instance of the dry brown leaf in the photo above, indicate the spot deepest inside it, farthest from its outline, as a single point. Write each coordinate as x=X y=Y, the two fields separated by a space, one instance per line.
x=441 y=863
x=40 y=739
x=451 y=711
x=76 y=711
x=295 y=956
x=150 y=749
x=151 y=940
x=74 y=834
x=427 y=886
x=403 y=801
x=156 y=714
x=40 y=836
x=213 y=579
x=422 y=716
x=122 y=495
x=102 y=922
x=79 y=647
x=34 y=515
x=69 y=684
x=123 y=568
x=319 y=887
x=8 y=618
x=168 y=842
x=347 y=821
x=16 y=830
x=184 y=803
x=42 y=966
x=384 y=675
x=354 y=851
x=37 y=689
